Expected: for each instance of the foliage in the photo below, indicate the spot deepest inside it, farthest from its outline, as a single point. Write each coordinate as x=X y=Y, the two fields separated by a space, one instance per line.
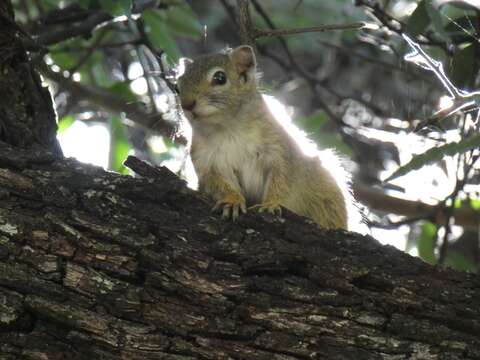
x=436 y=154
x=426 y=242
x=119 y=146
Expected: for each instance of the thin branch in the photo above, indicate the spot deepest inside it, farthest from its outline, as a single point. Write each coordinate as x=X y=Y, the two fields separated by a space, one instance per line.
x=378 y=200
x=111 y=45
x=395 y=25
x=281 y=32
x=110 y=102
x=396 y=224
x=82 y=29
x=247 y=30
x=230 y=10
x=312 y=80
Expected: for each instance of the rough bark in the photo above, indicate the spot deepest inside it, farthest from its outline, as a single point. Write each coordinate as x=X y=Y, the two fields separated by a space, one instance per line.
x=99 y=265
x=27 y=117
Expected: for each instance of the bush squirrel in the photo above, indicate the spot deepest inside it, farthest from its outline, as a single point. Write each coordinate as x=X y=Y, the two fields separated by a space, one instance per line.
x=241 y=153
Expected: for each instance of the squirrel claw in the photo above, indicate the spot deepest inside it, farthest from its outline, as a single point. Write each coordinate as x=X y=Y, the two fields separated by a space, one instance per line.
x=271 y=208
x=230 y=209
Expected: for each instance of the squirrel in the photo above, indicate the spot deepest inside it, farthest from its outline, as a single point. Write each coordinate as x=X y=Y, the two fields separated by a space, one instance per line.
x=242 y=154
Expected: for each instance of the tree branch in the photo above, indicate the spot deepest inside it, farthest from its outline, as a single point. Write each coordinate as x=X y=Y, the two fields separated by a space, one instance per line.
x=111 y=103
x=376 y=199
x=247 y=29
x=281 y=32
x=99 y=265
x=83 y=29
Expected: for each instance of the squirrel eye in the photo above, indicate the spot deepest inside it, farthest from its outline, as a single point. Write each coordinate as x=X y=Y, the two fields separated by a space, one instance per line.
x=219 y=78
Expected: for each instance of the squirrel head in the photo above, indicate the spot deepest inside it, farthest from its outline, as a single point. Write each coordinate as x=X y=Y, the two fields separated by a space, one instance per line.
x=214 y=87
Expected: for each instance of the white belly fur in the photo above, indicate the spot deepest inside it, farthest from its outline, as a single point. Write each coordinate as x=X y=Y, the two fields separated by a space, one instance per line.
x=238 y=159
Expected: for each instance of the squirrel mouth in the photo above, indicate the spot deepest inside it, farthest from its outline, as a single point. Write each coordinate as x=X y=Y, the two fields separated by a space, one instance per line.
x=190 y=115
x=193 y=115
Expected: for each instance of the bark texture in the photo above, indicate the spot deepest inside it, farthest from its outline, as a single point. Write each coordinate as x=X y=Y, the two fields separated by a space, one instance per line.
x=27 y=117
x=103 y=266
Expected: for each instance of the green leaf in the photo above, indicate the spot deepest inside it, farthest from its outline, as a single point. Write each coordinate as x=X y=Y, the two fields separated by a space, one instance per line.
x=459 y=262
x=50 y=4
x=462 y=66
x=457 y=204
x=314 y=124
x=456 y=26
x=64 y=123
x=183 y=21
x=119 y=146
x=436 y=19
x=333 y=141
x=159 y=33
x=475 y=204
x=419 y=20
x=117 y=7
x=123 y=90
x=435 y=154
x=463 y=5
x=426 y=243
x=63 y=59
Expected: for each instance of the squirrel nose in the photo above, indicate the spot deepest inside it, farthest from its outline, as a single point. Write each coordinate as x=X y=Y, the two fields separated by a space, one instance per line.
x=189 y=106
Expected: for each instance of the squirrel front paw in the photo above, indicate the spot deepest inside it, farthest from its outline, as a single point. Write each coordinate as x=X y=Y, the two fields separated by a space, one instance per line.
x=231 y=205
x=271 y=207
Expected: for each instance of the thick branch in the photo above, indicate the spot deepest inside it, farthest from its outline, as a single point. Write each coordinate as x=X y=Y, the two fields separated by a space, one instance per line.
x=27 y=118
x=98 y=265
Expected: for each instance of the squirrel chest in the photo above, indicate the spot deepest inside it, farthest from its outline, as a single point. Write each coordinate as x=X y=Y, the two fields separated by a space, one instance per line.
x=238 y=156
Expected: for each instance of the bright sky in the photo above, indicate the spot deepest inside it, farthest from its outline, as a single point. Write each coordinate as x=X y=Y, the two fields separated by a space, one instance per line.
x=89 y=144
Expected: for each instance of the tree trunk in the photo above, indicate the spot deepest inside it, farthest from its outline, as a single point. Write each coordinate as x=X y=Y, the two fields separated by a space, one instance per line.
x=98 y=265
x=27 y=117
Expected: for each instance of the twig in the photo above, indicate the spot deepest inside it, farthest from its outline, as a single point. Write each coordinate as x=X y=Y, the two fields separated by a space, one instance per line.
x=247 y=31
x=281 y=32
x=112 y=45
x=313 y=81
x=393 y=24
x=230 y=10
x=396 y=224
x=85 y=28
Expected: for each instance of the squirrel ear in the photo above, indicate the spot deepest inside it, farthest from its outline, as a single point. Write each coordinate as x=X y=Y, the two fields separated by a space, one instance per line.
x=182 y=65
x=243 y=58
x=184 y=61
